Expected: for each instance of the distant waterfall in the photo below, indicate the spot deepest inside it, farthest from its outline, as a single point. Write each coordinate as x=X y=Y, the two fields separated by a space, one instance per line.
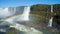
x=14 y=11
x=51 y=20
x=26 y=13
x=4 y=13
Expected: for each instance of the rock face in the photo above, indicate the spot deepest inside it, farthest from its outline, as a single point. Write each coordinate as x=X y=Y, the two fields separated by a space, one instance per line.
x=56 y=8
x=41 y=9
x=56 y=21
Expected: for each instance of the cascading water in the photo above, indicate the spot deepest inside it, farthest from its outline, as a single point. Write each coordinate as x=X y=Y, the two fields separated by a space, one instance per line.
x=4 y=12
x=26 y=13
x=50 y=21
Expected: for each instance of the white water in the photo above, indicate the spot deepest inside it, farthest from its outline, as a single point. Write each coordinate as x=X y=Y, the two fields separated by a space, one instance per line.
x=25 y=15
x=50 y=22
x=14 y=11
x=28 y=30
x=51 y=8
x=4 y=12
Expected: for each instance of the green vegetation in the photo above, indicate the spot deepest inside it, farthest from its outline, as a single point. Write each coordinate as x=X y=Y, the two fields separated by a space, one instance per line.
x=57 y=8
x=57 y=16
x=13 y=31
x=41 y=10
x=44 y=10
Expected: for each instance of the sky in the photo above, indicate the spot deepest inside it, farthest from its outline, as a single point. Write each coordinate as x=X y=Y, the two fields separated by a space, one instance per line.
x=13 y=3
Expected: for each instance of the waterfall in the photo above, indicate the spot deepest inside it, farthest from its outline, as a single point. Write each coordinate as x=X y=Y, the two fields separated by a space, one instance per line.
x=4 y=13
x=14 y=10
x=26 y=13
x=50 y=22
x=51 y=8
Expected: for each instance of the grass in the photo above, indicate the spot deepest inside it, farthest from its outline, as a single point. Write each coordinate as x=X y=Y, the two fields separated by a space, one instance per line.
x=12 y=31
